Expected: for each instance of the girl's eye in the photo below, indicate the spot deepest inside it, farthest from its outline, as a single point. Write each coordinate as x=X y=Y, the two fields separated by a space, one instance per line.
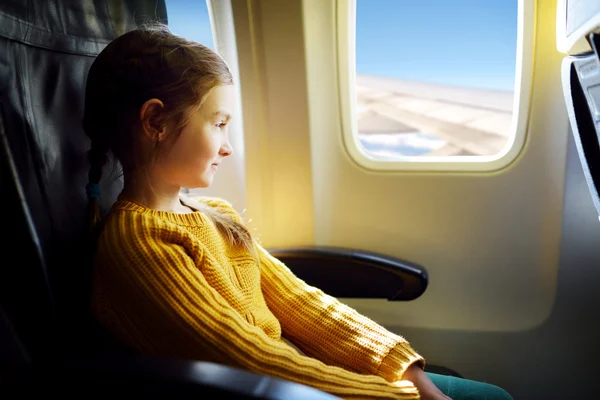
x=221 y=125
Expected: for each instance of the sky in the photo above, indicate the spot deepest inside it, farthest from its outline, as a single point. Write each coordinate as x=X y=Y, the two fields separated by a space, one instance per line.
x=460 y=42
x=189 y=18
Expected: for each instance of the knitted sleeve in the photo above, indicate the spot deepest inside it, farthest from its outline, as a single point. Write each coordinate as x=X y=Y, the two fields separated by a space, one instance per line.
x=325 y=328
x=176 y=311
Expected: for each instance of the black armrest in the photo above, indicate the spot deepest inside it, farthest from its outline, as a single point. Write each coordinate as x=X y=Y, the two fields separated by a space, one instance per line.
x=350 y=273
x=148 y=375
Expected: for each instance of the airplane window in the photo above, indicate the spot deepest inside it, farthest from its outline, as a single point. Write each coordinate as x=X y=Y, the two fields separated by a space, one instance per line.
x=190 y=19
x=435 y=78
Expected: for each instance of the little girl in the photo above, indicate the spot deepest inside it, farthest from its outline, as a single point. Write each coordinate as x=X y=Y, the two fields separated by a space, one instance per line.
x=182 y=278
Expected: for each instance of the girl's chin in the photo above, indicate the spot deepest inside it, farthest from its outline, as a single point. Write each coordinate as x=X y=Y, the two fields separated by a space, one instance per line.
x=200 y=184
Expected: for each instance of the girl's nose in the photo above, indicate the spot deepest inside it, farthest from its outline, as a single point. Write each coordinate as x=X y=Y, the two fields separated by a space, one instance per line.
x=226 y=150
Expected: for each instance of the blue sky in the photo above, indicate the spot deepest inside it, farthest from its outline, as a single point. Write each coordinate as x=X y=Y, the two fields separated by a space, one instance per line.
x=189 y=18
x=460 y=42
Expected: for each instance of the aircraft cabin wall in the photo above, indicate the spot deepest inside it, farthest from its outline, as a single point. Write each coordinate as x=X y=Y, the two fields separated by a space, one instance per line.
x=510 y=243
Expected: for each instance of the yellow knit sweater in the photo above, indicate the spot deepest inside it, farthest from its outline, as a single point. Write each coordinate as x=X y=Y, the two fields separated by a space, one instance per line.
x=169 y=285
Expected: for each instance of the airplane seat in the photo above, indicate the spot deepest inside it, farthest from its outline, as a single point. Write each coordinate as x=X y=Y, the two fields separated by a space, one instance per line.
x=578 y=24
x=46 y=52
x=48 y=340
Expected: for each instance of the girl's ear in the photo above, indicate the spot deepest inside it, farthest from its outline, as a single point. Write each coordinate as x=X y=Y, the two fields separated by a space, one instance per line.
x=151 y=121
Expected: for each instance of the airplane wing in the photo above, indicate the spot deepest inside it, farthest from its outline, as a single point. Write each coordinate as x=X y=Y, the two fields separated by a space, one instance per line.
x=438 y=120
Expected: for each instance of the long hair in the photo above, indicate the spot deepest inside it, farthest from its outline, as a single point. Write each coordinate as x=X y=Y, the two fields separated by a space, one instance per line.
x=148 y=62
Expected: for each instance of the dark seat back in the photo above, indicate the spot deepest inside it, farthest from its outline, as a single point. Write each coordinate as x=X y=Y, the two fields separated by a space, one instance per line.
x=46 y=49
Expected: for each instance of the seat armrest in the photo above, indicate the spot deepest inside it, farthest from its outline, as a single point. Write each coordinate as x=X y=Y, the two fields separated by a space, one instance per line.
x=142 y=374
x=351 y=273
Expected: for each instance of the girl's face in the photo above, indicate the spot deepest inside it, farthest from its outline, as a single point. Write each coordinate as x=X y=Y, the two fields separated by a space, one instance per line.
x=192 y=159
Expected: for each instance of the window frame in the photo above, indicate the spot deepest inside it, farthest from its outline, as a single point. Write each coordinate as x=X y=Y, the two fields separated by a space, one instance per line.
x=346 y=60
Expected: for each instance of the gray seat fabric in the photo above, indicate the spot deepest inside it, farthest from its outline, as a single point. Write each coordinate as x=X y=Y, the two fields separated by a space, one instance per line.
x=46 y=49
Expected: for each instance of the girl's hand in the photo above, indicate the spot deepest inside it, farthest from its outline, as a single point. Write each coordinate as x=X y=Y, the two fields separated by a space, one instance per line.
x=427 y=390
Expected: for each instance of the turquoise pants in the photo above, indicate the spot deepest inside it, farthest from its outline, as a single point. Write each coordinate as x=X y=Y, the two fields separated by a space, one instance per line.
x=464 y=389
